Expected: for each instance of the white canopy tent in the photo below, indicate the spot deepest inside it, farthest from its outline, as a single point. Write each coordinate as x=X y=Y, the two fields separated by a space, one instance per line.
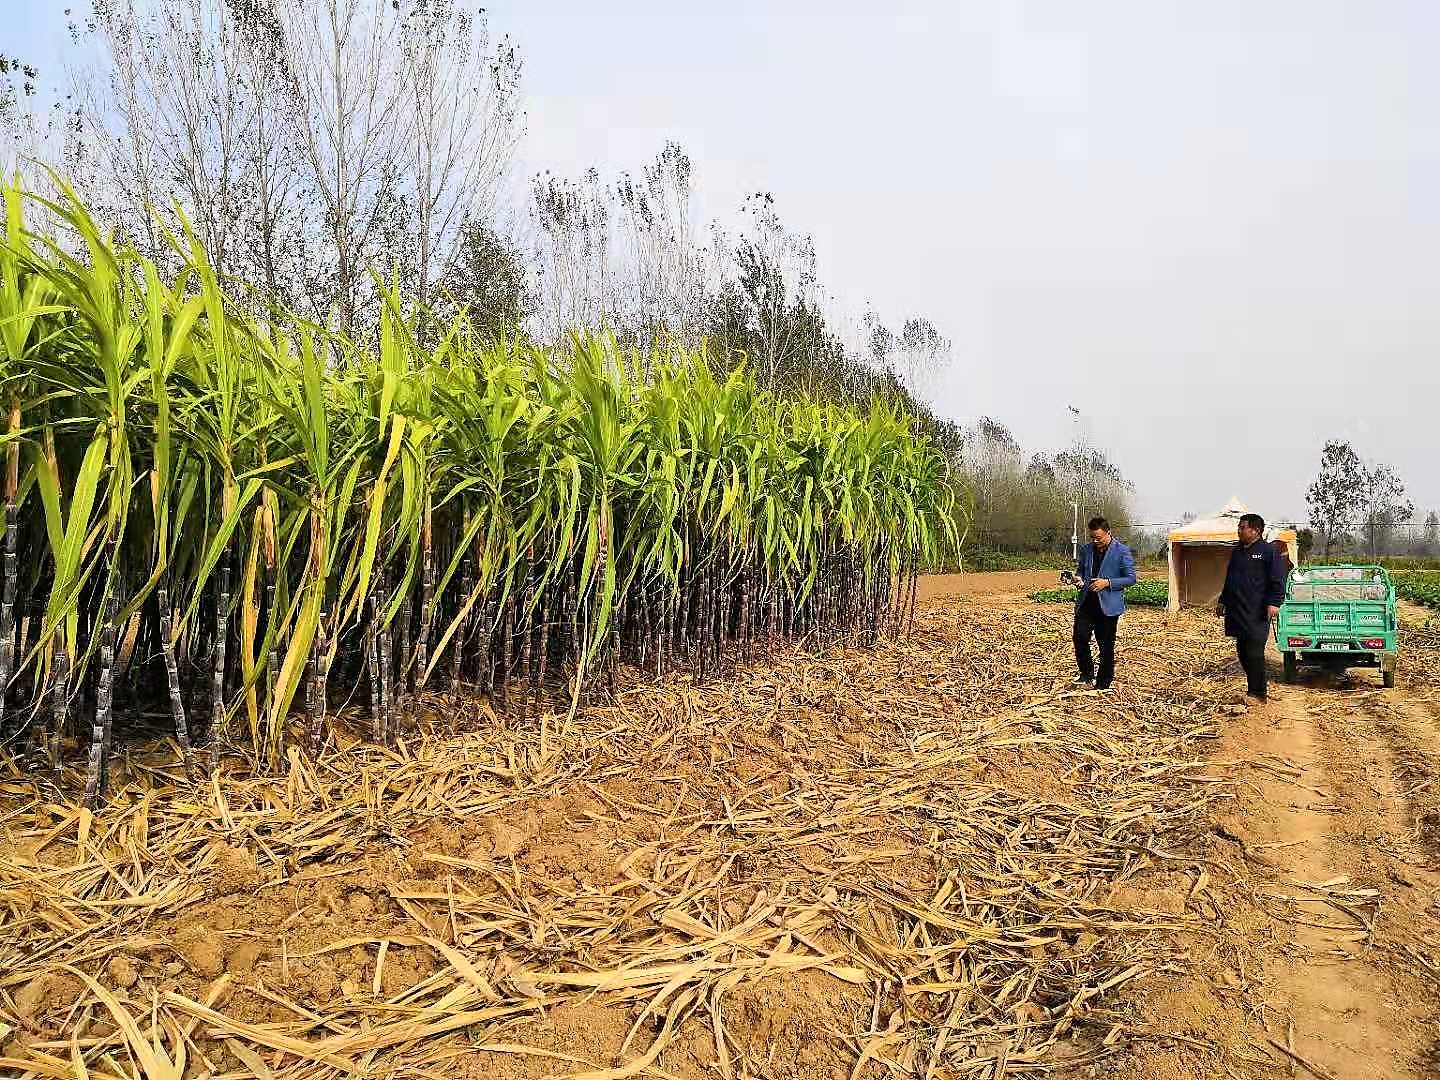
x=1200 y=553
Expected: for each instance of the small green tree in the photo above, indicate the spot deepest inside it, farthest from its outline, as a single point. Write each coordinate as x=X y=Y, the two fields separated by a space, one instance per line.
x=488 y=279
x=1337 y=495
x=1386 y=506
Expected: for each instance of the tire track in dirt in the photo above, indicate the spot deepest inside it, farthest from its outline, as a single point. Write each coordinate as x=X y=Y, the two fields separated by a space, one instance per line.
x=1332 y=812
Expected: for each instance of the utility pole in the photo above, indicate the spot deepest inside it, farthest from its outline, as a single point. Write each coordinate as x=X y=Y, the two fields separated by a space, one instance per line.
x=1078 y=503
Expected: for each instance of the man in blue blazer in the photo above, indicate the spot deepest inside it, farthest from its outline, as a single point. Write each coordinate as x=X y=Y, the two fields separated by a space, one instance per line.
x=1106 y=570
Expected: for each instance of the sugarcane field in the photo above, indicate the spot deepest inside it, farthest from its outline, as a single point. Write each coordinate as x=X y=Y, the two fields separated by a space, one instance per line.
x=757 y=542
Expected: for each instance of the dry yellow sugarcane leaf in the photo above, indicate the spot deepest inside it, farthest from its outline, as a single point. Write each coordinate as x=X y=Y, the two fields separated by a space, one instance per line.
x=262 y=1037
x=251 y=1060
x=77 y=1060
x=152 y=1059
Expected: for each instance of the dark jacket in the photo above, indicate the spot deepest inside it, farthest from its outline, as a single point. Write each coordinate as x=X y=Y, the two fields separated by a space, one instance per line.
x=1118 y=567
x=1254 y=582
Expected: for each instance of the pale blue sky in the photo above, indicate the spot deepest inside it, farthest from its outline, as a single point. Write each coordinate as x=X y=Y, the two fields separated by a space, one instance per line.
x=1211 y=226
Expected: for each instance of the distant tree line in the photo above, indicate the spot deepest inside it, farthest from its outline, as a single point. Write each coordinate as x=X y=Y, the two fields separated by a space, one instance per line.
x=1030 y=505
x=323 y=150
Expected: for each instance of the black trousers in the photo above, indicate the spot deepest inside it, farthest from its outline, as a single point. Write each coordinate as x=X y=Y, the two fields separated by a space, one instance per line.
x=1252 y=659
x=1090 y=620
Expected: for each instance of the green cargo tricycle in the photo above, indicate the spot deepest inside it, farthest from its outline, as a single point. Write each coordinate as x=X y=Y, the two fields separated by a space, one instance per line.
x=1338 y=617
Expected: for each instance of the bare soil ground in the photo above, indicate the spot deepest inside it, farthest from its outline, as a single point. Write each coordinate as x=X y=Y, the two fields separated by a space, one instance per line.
x=1011 y=583
x=1323 y=947
x=1019 y=582
x=930 y=859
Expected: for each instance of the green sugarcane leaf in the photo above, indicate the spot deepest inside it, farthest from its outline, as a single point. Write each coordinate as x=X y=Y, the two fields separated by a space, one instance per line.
x=218 y=544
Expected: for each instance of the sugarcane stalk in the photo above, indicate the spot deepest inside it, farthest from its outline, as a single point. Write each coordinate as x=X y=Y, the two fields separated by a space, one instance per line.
x=772 y=625
x=372 y=664
x=914 y=592
x=320 y=672
x=571 y=614
x=172 y=677
x=102 y=715
x=485 y=648
x=718 y=591
x=527 y=632
x=222 y=621
x=7 y=612
x=97 y=772
x=7 y=591
x=682 y=622
x=703 y=626
x=507 y=632
x=23 y=639
x=385 y=645
x=272 y=664
x=662 y=633
x=539 y=685
x=269 y=547
x=643 y=621
x=407 y=657
x=618 y=613
x=427 y=600
x=744 y=631
x=457 y=647
x=60 y=704
x=308 y=680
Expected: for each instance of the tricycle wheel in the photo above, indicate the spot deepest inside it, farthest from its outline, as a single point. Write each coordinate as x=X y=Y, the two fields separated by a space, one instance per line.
x=1388 y=678
x=1289 y=667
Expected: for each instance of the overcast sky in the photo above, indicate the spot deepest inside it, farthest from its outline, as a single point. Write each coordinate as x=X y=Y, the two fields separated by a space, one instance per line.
x=1211 y=226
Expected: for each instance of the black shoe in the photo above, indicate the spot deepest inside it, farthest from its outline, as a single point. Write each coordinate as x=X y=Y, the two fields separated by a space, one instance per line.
x=1081 y=680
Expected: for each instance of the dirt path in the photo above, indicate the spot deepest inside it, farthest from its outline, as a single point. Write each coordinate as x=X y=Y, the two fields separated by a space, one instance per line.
x=1340 y=830
x=1001 y=583
x=933 y=586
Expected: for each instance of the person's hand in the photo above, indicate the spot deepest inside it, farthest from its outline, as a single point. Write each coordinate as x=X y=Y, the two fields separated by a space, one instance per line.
x=1100 y=583
x=1274 y=612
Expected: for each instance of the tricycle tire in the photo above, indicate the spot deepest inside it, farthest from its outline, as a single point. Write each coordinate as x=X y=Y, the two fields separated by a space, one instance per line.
x=1387 y=678
x=1289 y=669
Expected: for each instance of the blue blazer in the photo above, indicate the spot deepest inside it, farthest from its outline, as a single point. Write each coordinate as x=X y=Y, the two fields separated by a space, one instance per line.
x=1118 y=567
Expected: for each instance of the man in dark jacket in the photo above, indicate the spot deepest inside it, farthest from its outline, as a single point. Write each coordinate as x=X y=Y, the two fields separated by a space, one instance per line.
x=1250 y=601
x=1106 y=569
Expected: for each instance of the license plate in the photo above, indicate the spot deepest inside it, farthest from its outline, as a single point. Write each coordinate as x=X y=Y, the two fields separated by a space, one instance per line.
x=1334 y=646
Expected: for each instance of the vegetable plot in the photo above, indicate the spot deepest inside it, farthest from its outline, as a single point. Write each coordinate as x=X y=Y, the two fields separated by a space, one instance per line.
x=1141 y=594
x=1419 y=588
